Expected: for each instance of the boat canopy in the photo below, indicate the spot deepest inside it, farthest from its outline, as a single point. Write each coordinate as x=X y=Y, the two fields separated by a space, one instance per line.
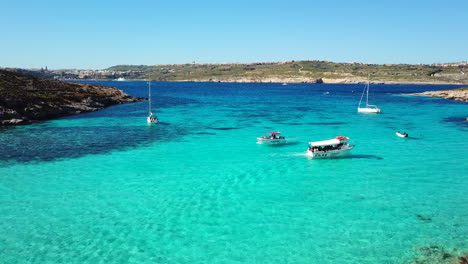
x=274 y=133
x=335 y=141
x=325 y=142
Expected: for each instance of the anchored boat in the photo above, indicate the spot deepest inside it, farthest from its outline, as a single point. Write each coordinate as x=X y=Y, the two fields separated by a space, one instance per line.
x=151 y=119
x=273 y=138
x=331 y=148
x=401 y=134
x=368 y=109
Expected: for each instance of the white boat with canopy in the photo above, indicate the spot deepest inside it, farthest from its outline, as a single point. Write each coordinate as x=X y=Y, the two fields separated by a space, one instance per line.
x=273 y=138
x=331 y=148
x=369 y=109
x=151 y=119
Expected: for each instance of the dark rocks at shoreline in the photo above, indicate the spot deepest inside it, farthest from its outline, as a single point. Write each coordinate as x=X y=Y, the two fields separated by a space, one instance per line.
x=25 y=99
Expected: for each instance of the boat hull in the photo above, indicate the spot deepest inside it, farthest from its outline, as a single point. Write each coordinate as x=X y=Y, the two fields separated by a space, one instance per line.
x=367 y=110
x=401 y=135
x=151 y=121
x=271 y=141
x=329 y=154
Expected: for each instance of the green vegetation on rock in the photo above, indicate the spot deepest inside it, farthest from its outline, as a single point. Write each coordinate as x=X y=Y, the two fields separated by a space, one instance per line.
x=302 y=71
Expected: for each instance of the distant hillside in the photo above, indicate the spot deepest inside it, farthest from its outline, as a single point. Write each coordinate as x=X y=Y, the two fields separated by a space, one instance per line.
x=25 y=98
x=302 y=71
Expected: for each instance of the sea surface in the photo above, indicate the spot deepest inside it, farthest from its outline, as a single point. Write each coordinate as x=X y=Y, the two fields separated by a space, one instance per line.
x=104 y=187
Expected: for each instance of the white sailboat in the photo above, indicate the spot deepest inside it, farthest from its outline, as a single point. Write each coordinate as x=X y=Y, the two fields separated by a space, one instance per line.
x=151 y=119
x=369 y=109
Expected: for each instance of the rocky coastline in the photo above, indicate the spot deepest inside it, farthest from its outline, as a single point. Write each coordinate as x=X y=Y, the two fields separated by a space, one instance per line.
x=460 y=94
x=25 y=99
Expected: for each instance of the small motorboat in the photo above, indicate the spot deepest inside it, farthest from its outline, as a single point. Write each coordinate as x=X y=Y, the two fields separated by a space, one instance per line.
x=273 y=138
x=331 y=148
x=401 y=134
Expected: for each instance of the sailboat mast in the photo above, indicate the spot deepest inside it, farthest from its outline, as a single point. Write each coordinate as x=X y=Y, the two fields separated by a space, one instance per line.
x=367 y=95
x=149 y=97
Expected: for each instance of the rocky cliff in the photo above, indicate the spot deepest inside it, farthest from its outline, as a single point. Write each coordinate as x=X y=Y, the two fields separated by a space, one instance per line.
x=25 y=98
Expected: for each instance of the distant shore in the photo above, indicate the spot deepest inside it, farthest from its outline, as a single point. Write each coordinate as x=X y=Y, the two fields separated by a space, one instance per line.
x=304 y=71
x=460 y=94
x=285 y=80
x=319 y=80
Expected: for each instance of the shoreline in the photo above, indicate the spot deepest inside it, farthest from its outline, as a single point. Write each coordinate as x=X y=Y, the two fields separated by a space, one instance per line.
x=279 y=80
x=460 y=94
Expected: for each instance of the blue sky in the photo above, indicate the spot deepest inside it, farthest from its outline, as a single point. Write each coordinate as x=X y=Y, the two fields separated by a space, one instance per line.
x=98 y=34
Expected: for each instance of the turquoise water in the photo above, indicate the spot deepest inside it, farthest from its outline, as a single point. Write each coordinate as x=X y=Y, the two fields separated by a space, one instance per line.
x=105 y=187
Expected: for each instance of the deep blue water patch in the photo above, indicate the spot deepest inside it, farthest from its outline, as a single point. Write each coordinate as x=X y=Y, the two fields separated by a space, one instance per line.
x=459 y=122
x=45 y=143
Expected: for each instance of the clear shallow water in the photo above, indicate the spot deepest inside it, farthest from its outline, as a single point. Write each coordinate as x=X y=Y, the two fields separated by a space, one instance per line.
x=105 y=187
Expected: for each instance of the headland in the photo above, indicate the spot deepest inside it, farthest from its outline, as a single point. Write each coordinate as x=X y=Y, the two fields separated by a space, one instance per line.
x=460 y=94
x=25 y=98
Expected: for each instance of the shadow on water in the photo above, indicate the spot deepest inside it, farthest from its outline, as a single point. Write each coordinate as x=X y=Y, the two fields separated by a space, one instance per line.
x=280 y=145
x=461 y=123
x=409 y=137
x=364 y=157
x=206 y=133
x=292 y=143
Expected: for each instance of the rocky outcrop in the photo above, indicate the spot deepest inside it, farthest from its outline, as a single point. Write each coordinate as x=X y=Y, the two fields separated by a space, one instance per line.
x=455 y=94
x=437 y=254
x=24 y=98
